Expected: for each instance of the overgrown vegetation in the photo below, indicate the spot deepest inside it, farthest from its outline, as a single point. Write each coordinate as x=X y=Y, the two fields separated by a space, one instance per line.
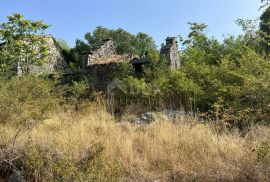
x=228 y=80
x=53 y=128
x=23 y=45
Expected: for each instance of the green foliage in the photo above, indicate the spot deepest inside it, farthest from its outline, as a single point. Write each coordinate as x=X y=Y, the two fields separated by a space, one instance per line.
x=233 y=72
x=144 y=44
x=264 y=29
x=77 y=91
x=252 y=37
x=71 y=55
x=63 y=45
x=125 y=42
x=23 y=44
x=228 y=79
x=137 y=88
x=26 y=100
x=187 y=93
x=263 y=152
x=123 y=69
x=265 y=3
x=157 y=67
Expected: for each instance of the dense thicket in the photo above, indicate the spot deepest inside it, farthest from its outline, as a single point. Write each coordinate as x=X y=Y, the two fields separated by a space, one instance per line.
x=229 y=80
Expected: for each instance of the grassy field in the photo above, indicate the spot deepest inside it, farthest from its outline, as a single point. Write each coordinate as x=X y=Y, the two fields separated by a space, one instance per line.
x=91 y=146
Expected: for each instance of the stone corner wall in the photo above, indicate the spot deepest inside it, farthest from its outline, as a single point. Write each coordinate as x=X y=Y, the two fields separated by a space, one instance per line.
x=106 y=51
x=54 y=63
x=170 y=51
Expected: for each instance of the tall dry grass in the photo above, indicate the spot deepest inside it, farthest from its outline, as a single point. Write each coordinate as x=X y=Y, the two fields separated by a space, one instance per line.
x=184 y=150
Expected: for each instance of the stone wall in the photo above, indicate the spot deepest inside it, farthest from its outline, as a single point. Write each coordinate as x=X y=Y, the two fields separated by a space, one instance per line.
x=101 y=75
x=101 y=64
x=106 y=51
x=54 y=63
x=170 y=51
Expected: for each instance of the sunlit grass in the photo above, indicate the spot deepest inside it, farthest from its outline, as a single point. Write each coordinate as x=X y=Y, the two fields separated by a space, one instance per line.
x=160 y=149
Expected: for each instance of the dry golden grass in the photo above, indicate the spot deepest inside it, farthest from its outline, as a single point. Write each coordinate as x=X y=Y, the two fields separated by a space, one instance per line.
x=166 y=151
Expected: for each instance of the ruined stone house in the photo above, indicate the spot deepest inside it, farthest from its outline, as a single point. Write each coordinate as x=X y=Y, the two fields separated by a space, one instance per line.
x=100 y=63
x=103 y=61
x=106 y=55
x=55 y=61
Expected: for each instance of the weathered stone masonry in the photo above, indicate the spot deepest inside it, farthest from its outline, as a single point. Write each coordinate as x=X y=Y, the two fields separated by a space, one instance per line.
x=170 y=51
x=106 y=54
x=55 y=61
x=101 y=63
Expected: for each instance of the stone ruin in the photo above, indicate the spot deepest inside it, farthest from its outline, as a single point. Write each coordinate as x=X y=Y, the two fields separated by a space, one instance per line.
x=101 y=63
x=106 y=54
x=55 y=61
x=104 y=61
x=170 y=51
x=104 y=58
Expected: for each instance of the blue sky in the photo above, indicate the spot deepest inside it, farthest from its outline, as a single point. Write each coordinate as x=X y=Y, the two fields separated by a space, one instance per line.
x=71 y=19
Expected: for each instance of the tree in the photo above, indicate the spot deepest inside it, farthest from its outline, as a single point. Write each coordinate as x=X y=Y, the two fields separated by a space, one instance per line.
x=63 y=44
x=204 y=49
x=125 y=42
x=144 y=44
x=265 y=29
x=265 y=3
x=69 y=54
x=251 y=37
x=197 y=36
x=96 y=38
x=23 y=44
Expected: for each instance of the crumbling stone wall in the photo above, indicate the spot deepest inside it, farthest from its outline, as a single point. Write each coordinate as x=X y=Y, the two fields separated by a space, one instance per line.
x=102 y=63
x=101 y=75
x=170 y=51
x=106 y=51
x=54 y=63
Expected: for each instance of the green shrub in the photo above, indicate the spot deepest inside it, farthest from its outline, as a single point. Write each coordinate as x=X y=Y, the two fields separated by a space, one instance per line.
x=263 y=153
x=26 y=100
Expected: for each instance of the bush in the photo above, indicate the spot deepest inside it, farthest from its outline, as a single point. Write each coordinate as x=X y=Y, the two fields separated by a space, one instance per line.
x=263 y=153
x=26 y=100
